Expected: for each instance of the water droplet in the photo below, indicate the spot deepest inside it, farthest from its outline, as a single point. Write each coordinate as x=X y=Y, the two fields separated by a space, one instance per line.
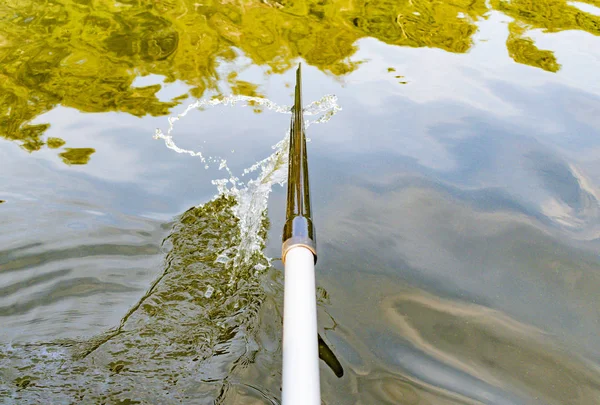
x=222 y=259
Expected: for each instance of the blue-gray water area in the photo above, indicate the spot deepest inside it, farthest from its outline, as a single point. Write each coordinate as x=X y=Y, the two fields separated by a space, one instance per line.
x=456 y=199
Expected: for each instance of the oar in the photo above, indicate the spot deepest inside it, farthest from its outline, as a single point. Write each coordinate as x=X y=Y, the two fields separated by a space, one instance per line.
x=299 y=253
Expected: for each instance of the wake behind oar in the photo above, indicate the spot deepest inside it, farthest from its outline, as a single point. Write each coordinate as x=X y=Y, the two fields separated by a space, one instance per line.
x=175 y=344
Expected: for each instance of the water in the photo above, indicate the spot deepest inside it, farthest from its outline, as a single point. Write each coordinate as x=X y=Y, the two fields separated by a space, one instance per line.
x=455 y=195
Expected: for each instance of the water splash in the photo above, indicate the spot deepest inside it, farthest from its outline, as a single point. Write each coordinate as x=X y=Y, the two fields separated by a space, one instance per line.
x=327 y=106
x=179 y=342
x=252 y=197
x=174 y=346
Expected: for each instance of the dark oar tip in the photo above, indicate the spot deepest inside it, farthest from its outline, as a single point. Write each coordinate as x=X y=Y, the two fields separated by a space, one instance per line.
x=298 y=229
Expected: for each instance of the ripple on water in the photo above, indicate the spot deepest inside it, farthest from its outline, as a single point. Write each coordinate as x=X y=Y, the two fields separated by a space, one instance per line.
x=181 y=339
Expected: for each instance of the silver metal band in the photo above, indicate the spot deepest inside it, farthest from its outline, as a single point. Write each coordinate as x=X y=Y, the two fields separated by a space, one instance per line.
x=296 y=241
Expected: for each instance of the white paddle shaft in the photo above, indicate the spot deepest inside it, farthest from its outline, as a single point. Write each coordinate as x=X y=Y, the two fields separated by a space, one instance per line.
x=300 y=345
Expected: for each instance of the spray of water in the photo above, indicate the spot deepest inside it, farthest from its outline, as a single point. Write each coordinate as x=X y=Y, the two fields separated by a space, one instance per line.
x=177 y=344
x=251 y=198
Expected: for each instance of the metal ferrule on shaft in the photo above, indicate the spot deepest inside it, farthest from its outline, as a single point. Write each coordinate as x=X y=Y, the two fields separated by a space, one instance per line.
x=298 y=229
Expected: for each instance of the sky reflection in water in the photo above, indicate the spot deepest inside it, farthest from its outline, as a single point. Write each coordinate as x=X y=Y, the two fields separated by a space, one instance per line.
x=456 y=198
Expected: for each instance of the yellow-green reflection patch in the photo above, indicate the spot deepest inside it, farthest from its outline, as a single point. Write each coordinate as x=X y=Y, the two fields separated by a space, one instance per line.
x=86 y=54
x=77 y=156
x=523 y=50
x=55 y=143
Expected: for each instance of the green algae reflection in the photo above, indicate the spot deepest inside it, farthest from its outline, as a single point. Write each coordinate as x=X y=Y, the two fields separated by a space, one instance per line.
x=77 y=156
x=86 y=54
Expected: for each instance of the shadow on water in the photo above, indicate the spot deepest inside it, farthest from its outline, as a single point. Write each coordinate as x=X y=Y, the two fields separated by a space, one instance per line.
x=177 y=343
x=472 y=289
x=185 y=337
x=181 y=342
x=494 y=348
x=516 y=324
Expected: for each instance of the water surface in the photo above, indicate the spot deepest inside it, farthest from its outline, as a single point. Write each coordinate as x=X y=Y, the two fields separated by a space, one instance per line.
x=456 y=199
